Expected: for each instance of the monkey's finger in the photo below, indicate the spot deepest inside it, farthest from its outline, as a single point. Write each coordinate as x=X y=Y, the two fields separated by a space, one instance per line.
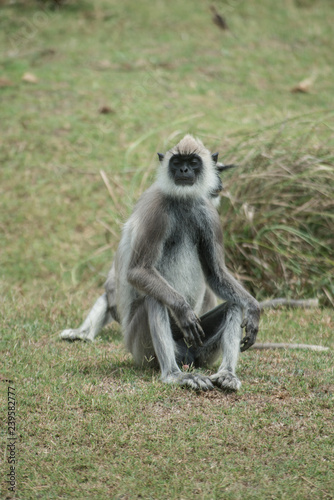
x=198 y=319
x=245 y=344
x=200 y=333
x=244 y=323
x=200 y=329
x=197 y=341
x=188 y=337
x=251 y=333
x=248 y=340
x=194 y=334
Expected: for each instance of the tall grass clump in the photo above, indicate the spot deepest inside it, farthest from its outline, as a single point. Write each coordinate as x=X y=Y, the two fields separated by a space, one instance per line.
x=278 y=215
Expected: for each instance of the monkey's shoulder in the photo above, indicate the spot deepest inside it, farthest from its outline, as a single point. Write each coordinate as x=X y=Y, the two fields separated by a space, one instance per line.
x=149 y=208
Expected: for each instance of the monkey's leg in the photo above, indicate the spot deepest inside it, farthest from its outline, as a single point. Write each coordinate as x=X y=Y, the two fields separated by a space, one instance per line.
x=226 y=378
x=222 y=331
x=164 y=347
x=99 y=316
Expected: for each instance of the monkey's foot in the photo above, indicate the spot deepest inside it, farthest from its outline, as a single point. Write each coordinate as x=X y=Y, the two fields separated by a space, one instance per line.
x=75 y=334
x=226 y=380
x=193 y=381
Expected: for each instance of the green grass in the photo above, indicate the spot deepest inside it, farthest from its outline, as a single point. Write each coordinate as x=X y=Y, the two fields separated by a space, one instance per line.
x=90 y=424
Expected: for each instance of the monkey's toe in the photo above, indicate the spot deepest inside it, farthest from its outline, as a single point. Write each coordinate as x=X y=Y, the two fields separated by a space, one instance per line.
x=195 y=381
x=226 y=380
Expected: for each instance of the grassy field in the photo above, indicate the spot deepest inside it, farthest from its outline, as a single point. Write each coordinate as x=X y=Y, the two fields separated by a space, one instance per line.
x=104 y=86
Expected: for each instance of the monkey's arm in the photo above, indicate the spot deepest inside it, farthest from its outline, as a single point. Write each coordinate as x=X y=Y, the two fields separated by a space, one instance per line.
x=148 y=280
x=143 y=275
x=224 y=285
x=228 y=288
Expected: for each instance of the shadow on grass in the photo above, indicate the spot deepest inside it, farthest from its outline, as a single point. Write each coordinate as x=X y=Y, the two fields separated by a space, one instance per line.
x=117 y=365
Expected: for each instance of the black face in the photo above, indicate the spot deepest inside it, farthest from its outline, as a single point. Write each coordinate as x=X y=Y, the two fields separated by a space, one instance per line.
x=185 y=169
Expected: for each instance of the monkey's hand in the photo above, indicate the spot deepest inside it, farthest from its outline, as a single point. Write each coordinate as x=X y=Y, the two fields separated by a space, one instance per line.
x=190 y=325
x=251 y=324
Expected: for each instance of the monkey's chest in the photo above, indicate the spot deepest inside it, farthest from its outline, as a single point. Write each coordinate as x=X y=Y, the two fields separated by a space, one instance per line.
x=179 y=264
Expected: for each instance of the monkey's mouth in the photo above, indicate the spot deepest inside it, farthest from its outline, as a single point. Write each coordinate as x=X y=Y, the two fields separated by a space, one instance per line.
x=181 y=181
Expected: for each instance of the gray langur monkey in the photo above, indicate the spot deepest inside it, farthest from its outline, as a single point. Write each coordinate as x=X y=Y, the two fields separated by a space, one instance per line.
x=168 y=270
x=104 y=310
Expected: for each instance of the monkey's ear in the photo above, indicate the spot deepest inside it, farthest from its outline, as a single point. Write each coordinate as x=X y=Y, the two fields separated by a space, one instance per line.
x=161 y=156
x=215 y=157
x=220 y=166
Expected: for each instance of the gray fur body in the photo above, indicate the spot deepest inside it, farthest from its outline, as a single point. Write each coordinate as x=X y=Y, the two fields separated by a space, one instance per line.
x=169 y=269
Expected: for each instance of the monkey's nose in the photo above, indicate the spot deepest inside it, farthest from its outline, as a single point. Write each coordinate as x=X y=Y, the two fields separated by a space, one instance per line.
x=184 y=170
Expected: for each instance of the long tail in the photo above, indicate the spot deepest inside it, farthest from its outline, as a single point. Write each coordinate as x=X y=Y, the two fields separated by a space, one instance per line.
x=290 y=303
x=269 y=345
x=273 y=303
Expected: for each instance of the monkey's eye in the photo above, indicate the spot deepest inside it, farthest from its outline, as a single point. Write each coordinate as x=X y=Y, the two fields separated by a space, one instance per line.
x=194 y=163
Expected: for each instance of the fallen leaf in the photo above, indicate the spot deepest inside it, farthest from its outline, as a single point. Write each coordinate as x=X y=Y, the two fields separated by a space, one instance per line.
x=303 y=86
x=29 y=78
